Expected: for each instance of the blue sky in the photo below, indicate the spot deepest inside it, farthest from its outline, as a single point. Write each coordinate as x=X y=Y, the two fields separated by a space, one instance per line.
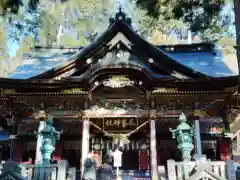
x=12 y=46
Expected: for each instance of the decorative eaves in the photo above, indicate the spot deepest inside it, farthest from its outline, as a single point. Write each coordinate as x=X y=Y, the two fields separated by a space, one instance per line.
x=120 y=16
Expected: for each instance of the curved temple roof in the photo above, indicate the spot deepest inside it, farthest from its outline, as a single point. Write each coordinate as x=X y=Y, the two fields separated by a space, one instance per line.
x=36 y=65
x=207 y=62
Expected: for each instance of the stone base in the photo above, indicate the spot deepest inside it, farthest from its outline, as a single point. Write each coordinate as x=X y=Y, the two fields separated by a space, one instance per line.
x=200 y=158
x=12 y=170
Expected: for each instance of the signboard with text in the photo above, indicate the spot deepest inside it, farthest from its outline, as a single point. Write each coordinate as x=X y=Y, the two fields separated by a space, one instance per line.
x=123 y=124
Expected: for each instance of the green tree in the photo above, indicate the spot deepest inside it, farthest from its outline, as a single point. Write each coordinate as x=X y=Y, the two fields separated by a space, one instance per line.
x=156 y=30
x=71 y=23
x=204 y=18
x=3 y=52
x=199 y=15
x=13 y=6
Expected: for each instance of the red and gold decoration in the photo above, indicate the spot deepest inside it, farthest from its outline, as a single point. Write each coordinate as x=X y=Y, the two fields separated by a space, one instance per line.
x=216 y=129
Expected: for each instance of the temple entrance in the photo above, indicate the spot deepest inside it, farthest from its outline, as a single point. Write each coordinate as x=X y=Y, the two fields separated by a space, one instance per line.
x=119 y=120
x=136 y=155
x=134 y=147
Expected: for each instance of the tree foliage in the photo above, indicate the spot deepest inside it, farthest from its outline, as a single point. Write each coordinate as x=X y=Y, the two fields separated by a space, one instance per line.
x=198 y=14
x=13 y=6
x=206 y=19
x=3 y=43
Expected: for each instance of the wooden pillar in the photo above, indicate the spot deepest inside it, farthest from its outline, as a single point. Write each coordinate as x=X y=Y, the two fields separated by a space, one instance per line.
x=12 y=121
x=38 y=157
x=198 y=144
x=153 y=148
x=85 y=139
x=218 y=150
x=85 y=142
x=224 y=112
x=19 y=148
x=198 y=139
x=12 y=149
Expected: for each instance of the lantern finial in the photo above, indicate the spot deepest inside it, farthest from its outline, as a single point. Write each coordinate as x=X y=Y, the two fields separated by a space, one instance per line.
x=182 y=118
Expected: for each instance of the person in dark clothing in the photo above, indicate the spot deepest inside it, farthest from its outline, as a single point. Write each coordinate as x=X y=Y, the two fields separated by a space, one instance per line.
x=106 y=171
x=210 y=154
x=90 y=169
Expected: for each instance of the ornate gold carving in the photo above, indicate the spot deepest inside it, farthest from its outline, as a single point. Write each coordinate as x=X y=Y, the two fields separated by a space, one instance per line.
x=118 y=82
x=165 y=90
x=179 y=75
x=40 y=115
x=9 y=91
x=153 y=114
x=66 y=74
x=73 y=91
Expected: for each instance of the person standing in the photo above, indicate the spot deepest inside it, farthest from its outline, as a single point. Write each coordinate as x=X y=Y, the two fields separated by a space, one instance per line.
x=106 y=171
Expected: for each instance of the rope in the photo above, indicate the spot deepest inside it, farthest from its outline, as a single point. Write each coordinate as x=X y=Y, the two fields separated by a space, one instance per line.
x=96 y=126
x=139 y=127
x=110 y=134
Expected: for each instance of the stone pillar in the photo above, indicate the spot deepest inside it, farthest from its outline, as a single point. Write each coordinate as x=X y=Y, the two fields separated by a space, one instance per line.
x=85 y=142
x=153 y=151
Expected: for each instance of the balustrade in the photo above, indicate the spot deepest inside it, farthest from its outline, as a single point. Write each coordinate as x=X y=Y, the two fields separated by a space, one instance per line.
x=191 y=169
x=236 y=145
x=59 y=171
x=175 y=171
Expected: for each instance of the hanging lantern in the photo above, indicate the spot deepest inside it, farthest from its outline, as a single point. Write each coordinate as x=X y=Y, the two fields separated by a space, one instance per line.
x=10 y=120
x=41 y=115
x=96 y=144
x=119 y=140
x=143 y=147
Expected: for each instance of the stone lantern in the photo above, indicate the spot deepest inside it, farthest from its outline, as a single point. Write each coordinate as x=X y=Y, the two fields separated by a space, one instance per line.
x=49 y=135
x=184 y=134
